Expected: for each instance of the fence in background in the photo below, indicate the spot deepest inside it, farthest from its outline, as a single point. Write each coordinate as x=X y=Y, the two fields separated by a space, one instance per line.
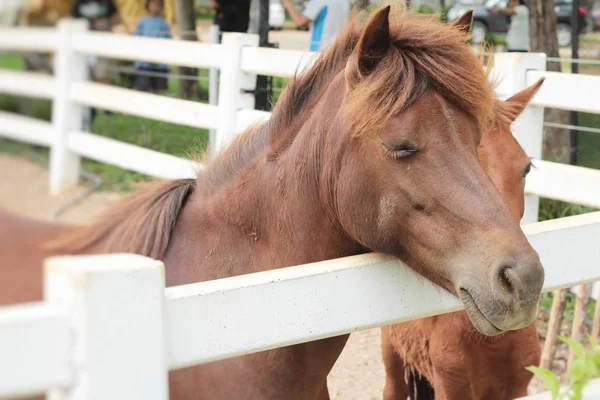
x=238 y=60
x=68 y=343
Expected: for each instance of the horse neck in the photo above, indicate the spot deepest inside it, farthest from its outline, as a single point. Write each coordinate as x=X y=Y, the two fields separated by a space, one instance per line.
x=275 y=211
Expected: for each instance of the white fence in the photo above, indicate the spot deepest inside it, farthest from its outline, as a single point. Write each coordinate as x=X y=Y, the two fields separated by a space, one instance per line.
x=115 y=307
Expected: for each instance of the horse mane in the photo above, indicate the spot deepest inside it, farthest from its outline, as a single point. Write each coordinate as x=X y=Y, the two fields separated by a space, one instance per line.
x=140 y=224
x=426 y=54
x=269 y=139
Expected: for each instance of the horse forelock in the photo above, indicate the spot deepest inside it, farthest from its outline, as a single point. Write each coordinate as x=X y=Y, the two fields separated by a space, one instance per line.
x=426 y=54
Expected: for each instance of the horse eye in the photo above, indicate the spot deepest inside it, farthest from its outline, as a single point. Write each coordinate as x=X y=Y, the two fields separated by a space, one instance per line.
x=400 y=150
x=527 y=170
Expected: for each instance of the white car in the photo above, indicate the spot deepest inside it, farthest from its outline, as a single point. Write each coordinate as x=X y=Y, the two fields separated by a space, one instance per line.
x=276 y=15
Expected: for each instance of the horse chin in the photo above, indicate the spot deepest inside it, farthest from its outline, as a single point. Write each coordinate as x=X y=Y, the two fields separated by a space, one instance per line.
x=477 y=317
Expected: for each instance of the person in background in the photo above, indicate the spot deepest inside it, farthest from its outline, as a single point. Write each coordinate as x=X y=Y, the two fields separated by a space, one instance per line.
x=328 y=18
x=517 y=39
x=102 y=15
x=152 y=77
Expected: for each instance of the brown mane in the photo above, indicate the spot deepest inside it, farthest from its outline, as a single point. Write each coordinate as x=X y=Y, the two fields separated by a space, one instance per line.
x=431 y=55
x=140 y=224
x=427 y=54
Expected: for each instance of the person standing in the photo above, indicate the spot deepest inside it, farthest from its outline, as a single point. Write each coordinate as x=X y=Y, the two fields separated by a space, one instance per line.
x=328 y=18
x=517 y=39
x=102 y=15
x=151 y=77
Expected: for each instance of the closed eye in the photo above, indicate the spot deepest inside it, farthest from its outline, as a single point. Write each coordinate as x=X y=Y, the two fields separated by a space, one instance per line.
x=528 y=169
x=399 y=150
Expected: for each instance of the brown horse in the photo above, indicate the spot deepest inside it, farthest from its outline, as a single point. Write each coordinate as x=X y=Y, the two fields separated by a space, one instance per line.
x=374 y=148
x=444 y=357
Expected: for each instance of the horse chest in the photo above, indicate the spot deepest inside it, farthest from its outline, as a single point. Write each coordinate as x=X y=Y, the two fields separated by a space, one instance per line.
x=295 y=372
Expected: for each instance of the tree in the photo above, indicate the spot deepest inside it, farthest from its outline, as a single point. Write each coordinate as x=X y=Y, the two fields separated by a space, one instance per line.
x=186 y=24
x=542 y=31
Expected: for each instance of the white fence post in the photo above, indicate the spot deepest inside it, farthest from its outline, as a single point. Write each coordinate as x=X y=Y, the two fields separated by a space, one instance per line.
x=116 y=305
x=213 y=84
x=529 y=127
x=236 y=88
x=67 y=116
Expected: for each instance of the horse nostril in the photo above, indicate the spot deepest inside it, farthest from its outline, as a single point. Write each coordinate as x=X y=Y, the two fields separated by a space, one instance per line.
x=505 y=281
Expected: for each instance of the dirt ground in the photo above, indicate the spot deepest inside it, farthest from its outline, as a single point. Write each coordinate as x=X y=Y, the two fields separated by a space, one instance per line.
x=358 y=374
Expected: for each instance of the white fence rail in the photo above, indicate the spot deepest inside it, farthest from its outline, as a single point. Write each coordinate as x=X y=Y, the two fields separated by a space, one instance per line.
x=65 y=343
x=108 y=307
x=239 y=60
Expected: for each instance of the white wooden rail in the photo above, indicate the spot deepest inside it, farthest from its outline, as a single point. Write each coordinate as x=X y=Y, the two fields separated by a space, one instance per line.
x=240 y=60
x=102 y=308
x=71 y=91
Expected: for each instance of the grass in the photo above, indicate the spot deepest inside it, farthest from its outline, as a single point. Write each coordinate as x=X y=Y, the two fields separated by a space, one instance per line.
x=589 y=143
x=177 y=140
x=156 y=135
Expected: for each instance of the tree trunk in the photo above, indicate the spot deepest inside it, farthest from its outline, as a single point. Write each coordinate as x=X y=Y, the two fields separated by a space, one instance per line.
x=556 y=316
x=186 y=24
x=542 y=30
x=443 y=4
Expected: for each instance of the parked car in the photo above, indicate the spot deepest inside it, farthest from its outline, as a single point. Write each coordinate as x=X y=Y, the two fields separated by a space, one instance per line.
x=276 y=15
x=484 y=21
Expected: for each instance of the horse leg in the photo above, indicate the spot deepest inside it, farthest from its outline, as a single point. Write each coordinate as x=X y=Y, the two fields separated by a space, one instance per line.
x=396 y=387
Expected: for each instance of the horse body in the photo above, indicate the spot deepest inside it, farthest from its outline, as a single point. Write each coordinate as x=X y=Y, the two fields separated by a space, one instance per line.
x=372 y=149
x=276 y=231
x=22 y=255
x=446 y=350
x=458 y=361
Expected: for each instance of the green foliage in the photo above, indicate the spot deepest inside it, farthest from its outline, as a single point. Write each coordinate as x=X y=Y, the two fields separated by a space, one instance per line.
x=546 y=304
x=585 y=367
x=552 y=209
x=425 y=10
x=442 y=15
x=588 y=154
x=493 y=39
x=549 y=378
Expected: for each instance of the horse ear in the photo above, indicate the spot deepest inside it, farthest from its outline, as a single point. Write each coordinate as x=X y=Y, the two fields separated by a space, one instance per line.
x=520 y=100
x=372 y=46
x=464 y=22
